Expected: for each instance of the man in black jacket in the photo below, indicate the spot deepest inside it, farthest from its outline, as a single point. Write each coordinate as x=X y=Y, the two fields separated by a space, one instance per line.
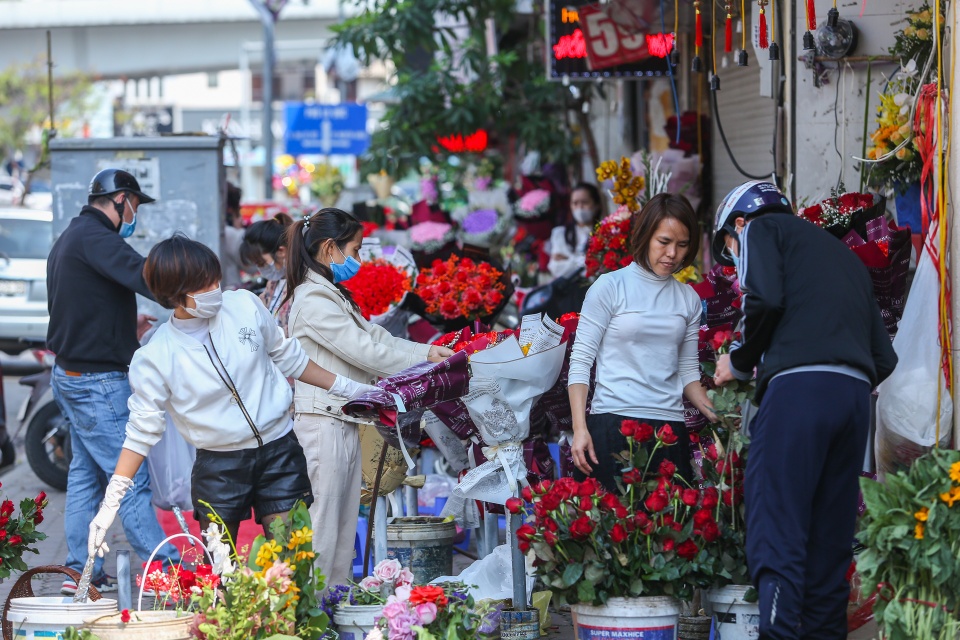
x=813 y=331
x=93 y=277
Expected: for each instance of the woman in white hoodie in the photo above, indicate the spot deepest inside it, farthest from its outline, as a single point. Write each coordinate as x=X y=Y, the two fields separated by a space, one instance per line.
x=219 y=369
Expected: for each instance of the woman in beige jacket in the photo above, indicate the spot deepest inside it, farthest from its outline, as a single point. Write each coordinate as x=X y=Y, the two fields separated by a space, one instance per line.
x=322 y=253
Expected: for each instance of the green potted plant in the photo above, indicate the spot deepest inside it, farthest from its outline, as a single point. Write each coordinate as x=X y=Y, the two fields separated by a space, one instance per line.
x=911 y=531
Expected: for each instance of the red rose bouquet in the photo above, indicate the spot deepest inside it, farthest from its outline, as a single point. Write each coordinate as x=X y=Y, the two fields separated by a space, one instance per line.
x=378 y=287
x=17 y=533
x=461 y=288
x=840 y=212
x=608 y=247
x=590 y=545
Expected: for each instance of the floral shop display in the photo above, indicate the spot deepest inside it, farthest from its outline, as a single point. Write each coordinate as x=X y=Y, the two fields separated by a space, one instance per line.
x=608 y=247
x=483 y=227
x=858 y=219
x=429 y=240
x=894 y=159
x=461 y=290
x=436 y=612
x=911 y=531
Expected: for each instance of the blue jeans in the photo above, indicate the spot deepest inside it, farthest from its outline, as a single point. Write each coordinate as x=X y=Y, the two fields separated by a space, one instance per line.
x=95 y=405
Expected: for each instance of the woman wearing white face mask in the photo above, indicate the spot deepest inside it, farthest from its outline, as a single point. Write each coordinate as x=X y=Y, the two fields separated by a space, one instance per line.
x=568 y=244
x=267 y=239
x=322 y=254
x=218 y=370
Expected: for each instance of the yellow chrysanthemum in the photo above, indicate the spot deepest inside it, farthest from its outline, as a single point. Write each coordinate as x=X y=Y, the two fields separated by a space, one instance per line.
x=955 y=472
x=922 y=515
x=918 y=531
x=687 y=275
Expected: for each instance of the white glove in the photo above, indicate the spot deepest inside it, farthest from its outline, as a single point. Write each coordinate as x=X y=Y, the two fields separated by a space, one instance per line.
x=346 y=388
x=118 y=487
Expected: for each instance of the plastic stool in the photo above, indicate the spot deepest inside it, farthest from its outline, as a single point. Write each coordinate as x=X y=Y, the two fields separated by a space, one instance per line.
x=359 y=546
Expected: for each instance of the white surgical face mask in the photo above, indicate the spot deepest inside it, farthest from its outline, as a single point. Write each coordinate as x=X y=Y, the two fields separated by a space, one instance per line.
x=583 y=216
x=208 y=304
x=272 y=272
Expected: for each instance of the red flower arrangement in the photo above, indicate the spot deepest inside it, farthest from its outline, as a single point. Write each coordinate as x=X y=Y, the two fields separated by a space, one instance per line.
x=177 y=583
x=18 y=533
x=460 y=288
x=369 y=228
x=378 y=287
x=607 y=249
x=838 y=210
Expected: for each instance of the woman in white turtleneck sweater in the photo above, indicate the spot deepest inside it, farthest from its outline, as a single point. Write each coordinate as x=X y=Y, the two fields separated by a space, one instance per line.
x=640 y=326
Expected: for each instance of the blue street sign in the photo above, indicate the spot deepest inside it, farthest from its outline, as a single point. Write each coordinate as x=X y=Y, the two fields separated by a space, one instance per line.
x=325 y=129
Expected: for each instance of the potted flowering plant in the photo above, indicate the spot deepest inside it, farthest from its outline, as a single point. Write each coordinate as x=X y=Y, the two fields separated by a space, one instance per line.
x=622 y=561
x=356 y=608
x=275 y=594
x=911 y=531
x=446 y=612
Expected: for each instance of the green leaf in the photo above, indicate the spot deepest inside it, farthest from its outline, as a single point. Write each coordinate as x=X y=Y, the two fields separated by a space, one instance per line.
x=571 y=574
x=586 y=592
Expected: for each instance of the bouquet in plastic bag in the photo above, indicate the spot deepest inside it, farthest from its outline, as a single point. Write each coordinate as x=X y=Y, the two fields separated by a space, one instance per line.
x=507 y=380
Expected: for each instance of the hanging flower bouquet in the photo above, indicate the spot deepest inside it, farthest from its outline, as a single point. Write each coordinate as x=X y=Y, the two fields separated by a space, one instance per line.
x=461 y=288
x=533 y=204
x=379 y=287
x=607 y=249
x=431 y=237
x=483 y=227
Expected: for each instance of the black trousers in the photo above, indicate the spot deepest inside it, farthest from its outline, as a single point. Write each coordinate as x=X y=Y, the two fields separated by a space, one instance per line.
x=802 y=482
x=608 y=441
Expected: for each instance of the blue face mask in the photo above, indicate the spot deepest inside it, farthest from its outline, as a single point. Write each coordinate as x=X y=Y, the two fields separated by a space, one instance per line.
x=735 y=259
x=126 y=228
x=345 y=271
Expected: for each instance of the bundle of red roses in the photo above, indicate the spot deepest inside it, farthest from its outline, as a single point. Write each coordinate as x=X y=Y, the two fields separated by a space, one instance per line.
x=17 y=533
x=461 y=288
x=378 y=287
x=590 y=545
x=607 y=249
x=842 y=211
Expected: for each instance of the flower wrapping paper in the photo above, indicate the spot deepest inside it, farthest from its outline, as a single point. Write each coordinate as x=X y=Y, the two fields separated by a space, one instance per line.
x=419 y=387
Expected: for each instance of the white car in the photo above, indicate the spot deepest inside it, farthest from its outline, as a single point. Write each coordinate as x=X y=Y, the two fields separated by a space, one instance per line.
x=26 y=236
x=11 y=190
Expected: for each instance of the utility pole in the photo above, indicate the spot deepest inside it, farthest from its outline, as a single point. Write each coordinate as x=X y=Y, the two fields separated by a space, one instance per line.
x=268 y=11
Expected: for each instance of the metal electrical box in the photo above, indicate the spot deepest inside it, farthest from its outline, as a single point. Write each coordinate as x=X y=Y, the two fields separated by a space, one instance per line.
x=185 y=174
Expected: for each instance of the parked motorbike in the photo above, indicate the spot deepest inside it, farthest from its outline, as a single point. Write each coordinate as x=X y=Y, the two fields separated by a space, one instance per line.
x=47 y=435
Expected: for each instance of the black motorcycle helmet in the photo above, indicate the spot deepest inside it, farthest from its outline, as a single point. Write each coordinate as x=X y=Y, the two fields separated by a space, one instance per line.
x=749 y=200
x=110 y=181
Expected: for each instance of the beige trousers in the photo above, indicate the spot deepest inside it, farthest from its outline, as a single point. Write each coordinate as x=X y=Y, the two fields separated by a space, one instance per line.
x=332 y=448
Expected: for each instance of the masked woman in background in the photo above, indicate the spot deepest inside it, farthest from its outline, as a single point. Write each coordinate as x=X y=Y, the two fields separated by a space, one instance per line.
x=266 y=240
x=568 y=244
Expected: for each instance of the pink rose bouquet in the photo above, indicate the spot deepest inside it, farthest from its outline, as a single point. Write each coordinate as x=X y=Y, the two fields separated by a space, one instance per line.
x=533 y=204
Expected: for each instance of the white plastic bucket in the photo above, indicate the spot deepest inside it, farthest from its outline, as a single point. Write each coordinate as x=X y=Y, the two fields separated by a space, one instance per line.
x=735 y=618
x=653 y=618
x=47 y=618
x=145 y=625
x=354 y=622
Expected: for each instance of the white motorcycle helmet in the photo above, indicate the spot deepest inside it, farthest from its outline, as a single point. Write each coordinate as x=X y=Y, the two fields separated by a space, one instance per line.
x=747 y=201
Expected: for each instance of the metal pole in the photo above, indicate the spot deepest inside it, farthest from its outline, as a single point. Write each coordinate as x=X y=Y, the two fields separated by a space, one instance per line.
x=268 y=20
x=380 y=530
x=519 y=567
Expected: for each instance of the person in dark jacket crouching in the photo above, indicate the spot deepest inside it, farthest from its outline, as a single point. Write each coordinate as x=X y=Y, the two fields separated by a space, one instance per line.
x=813 y=331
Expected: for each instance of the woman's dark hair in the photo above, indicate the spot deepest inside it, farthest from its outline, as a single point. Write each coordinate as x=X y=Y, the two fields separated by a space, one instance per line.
x=659 y=208
x=570 y=232
x=178 y=266
x=303 y=243
x=267 y=236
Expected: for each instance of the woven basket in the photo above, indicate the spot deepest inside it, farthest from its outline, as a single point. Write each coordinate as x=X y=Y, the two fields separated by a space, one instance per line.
x=694 y=628
x=23 y=588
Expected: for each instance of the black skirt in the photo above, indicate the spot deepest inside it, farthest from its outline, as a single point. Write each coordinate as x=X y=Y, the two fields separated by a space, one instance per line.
x=608 y=441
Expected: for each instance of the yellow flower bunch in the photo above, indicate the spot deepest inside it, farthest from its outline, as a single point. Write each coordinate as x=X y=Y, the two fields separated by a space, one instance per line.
x=268 y=554
x=298 y=538
x=921 y=517
x=627 y=187
x=689 y=274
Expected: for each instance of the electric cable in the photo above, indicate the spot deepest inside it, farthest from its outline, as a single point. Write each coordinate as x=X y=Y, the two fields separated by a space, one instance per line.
x=726 y=145
x=673 y=80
